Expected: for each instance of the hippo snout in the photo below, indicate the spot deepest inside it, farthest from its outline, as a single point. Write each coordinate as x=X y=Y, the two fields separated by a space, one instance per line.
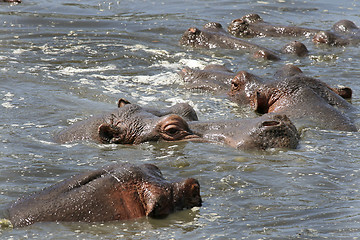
x=278 y=132
x=272 y=131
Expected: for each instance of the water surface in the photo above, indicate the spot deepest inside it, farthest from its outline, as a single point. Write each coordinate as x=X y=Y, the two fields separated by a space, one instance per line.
x=62 y=61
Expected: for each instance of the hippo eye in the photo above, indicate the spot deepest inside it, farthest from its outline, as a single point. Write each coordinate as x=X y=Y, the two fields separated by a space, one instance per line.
x=172 y=129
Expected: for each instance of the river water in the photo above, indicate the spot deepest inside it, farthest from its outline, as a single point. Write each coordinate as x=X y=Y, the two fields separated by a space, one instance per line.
x=62 y=61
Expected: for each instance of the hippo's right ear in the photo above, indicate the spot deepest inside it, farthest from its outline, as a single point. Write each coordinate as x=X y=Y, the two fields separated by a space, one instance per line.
x=109 y=133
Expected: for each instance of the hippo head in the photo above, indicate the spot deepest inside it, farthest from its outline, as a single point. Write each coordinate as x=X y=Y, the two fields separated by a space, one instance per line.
x=193 y=37
x=131 y=125
x=243 y=86
x=240 y=27
x=329 y=38
x=214 y=26
x=175 y=196
x=295 y=48
x=160 y=197
x=268 y=131
x=345 y=26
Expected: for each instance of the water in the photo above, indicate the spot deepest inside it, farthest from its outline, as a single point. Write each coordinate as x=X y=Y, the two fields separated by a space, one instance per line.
x=62 y=61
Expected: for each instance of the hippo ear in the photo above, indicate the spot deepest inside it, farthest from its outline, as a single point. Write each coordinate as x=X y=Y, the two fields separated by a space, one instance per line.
x=122 y=102
x=260 y=103
x=110 y=134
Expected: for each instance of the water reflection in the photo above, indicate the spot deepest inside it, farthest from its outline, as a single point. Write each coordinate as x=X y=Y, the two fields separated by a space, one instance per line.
x=64 y=61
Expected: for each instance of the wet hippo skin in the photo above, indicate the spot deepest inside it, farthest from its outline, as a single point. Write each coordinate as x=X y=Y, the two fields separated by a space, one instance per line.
x=261 y=133
x=252 y=25
x=344 y=32
x=296 y=95
x=271 y=131
x=117 y=192
x=214 y=36
x=130 y=124
x=213 y=77
x=11 y=1
x=218 y=78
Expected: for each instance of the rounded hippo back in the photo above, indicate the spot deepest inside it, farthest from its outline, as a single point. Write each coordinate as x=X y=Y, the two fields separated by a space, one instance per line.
x=116 y=192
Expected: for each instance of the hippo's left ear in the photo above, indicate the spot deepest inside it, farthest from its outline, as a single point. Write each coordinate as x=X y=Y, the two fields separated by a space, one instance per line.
x=110 y=134
x=122 y=102
x=260 y=103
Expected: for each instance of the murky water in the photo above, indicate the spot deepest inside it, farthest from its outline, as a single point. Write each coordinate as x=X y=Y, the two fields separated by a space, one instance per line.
x=62 y=61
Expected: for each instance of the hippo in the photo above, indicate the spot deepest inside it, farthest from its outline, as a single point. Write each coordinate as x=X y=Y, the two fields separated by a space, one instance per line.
x=182 y=109
x=331 y=39
x=217 y=78
x=344 y=33
x=260 y=133
x=214 y=36
x=252 y=25
x=300 y=97
x=132 y=124
x=346 y=27
x=11 y=1
x=295 y=48
x=129 y=124
x=213 y=77
x=120 y=191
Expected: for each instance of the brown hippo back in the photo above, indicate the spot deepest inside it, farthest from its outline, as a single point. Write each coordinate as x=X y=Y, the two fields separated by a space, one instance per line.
x=116 y=192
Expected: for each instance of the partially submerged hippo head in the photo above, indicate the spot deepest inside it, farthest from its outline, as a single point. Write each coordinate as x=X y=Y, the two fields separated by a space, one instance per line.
x=116 y=192
x=243 y=87
x=261 y=133
x=301 y=98
x=213 y=77
x=345 y=26
x=11 y=1
x=329 y=38
x=295 y=48
x=240 y=26
x=214 y=36
x=129 y=124
x=193 y=37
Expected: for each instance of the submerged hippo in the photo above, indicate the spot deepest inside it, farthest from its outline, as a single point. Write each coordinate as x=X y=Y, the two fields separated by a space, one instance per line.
x=11 y=1
x=346 y=27
x=345 y=33
x=130 y=124
x=252 y=25
x=295 y=48
x=267 y=131
x=213 y=77
x=218 y=78
x=116 y=192
x=214 y=36
x=292 y=93
x=336 y=39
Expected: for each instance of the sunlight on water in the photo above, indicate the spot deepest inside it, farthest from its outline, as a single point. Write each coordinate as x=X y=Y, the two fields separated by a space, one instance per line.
x=62 y=62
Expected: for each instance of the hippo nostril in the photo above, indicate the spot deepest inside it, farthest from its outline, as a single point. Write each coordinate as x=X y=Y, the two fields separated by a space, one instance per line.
x=270 y=123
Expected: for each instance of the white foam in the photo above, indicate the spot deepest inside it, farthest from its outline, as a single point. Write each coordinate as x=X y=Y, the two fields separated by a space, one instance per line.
x=71 y=70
